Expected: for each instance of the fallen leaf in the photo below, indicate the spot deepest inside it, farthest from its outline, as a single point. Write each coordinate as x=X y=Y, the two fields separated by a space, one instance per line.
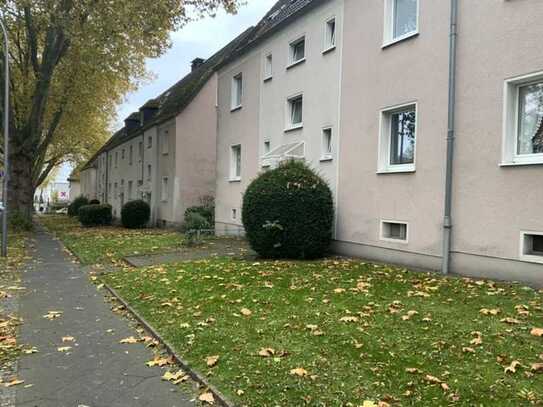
x=159 y=361
x=512 y=368
x=339 y=290
x=432 y=379
x=369 y=403
x=175 y=378
x=64 y=348
x=412 y=370
x=468 y=350
x=129 y=340
x=349 y=319
x=68 y=339
x=537 y=332
x=266 y=352
x=299 y=371
x=14 y=382
x=486 y=311
x=510 y=321
x=537 y=367
x=212 y=360
x=52 y=315
x=246 y=312
x=207 y=397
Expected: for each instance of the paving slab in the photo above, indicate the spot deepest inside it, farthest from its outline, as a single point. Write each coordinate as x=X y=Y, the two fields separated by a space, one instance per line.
x=97 y=371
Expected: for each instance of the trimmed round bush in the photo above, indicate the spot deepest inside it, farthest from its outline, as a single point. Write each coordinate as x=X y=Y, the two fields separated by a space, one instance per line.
x=95 y=215
x=288 y=212
x=135 y=214
x=73 y=208
x=94 y=202
x=195 y=221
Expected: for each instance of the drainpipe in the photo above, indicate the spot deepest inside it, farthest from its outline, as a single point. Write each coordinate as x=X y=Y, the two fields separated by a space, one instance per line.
x=447 y=220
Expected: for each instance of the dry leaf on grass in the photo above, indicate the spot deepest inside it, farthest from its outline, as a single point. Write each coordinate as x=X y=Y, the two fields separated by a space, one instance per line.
x=512 y=368
x=299 y=371
x=537 y=367
x=266 y=352
x=246 y=312
x=349 y=319
x=207 y=397
x=537 y=332
x=212 y=360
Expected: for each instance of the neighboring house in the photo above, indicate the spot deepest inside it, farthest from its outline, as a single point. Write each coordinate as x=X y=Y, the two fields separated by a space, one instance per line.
x=52 y=193
x=279 y=99
x=166 y=152
x=74 y=185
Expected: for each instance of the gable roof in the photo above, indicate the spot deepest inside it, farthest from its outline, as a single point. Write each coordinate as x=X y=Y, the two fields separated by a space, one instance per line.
x=174 y=100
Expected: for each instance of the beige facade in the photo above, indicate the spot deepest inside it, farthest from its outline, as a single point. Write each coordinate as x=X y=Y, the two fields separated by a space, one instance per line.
x=262 y=124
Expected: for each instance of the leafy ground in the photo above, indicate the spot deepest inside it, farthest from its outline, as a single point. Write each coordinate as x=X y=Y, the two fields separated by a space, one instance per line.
x=107 y=245
x=345 y=333
x=9 y=287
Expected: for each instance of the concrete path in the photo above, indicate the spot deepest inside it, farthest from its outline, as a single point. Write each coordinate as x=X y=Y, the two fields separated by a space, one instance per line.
x=98 y=371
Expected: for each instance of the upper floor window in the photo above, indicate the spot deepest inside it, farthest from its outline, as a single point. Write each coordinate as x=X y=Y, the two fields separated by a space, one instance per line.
x=140 y=150
x=116 y=159
x=330 y=34
x=297 y=51
x=235 y=162
x=326 y=144
x=523 y=129
x=268 y=67
x=401 y=19
x=164 y=190
x=150 y=142
x=237 y=91
x=130 y=155
x=295 y=112
x=165 y=143
x=398 y=139
x=122 y=154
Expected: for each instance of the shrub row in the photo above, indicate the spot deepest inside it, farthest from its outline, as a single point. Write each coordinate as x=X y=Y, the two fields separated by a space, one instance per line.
x=95 y=215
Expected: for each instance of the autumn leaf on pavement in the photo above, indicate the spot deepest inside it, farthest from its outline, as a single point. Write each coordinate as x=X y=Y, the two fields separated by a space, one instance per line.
x=129 y=340
x=175 y=378
x=52 y=315
x=64 y=348
x=68 y=339
x=159 y=361
x=212 y=360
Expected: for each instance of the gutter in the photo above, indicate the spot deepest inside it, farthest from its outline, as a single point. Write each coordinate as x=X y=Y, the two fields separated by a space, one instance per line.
x=451 y=133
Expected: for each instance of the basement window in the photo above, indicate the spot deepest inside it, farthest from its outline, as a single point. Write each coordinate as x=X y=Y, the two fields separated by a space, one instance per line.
x=531 y=246
x=394 y=231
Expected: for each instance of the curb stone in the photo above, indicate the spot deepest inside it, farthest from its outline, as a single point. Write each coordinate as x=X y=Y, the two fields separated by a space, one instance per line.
x=197 y=377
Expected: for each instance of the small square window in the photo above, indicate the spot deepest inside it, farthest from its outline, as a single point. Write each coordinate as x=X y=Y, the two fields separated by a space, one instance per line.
x=401 y=19
x=237 y=91
x=297 y=51
x=330 y=34
x=326 y=144
x=268 y=67
x=394 y=231
x=532 y=246
x=398 y=139
x=295 y=112
x=235 y=163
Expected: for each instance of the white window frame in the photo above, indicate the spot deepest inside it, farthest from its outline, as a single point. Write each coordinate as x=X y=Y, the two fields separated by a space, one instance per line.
x=234 y=105
x=288 y=114
x=268 y=66
x=522 y=252
x=510 y=156
x=389 y=239
x=388 y=36
x=329 y=45
x=234 y=177
x=327 y=155
x=384 y=165
x=164 y=189
x=291 y=61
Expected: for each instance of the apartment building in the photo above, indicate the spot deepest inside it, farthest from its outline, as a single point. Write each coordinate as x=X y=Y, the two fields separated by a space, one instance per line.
x=165 y=152
x=278 y=99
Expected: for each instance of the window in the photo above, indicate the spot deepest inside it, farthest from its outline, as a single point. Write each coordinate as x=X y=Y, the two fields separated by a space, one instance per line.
x=330 y=34
x=131 y=155
x=116 y=159
x=531 y=246
x=523 y=121
x=394 y=231
x=234 y=214
x=149 y=172
x=235 y=164
x=237 y=91
x=150 y=142
x=268 y=67
x=122 y=154
x=326 y=144
x=267 y=146
x=140 y=150
x=398 y=139
x=115 y=190
x=295 y=112
x=164 y=190
x=129 y=192
x=297 y=51
x=401 y=19
x=165 y=143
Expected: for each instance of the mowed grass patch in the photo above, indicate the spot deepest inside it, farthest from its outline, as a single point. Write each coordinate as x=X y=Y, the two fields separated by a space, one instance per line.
x=104 y=245
x=335 y=332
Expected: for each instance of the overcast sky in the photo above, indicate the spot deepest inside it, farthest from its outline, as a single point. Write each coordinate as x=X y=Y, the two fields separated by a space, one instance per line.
x=200 y=38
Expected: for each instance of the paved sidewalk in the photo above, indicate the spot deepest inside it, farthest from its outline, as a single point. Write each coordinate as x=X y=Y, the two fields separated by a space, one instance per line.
x=98 y=371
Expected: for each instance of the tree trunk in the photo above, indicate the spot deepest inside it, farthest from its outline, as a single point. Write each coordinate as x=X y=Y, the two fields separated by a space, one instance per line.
x=20 y=187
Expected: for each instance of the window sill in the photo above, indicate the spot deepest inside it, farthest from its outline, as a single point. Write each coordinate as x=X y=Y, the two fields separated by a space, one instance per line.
x=235 y=108
x=406 y=169
x=403 y=38
x=530 y=258
x=392 y=240
x=294 y=128
x=236 y=179
x=267 y=79
x=326 y=158
x=328 y=50
x=538 y=161
x=293 y=64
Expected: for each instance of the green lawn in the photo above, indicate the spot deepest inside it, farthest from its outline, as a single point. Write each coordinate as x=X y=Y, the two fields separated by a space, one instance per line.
x=106 y=245
x=339 y=333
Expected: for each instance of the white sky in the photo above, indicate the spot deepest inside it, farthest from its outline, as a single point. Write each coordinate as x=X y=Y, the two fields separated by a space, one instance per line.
x=198 y=39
